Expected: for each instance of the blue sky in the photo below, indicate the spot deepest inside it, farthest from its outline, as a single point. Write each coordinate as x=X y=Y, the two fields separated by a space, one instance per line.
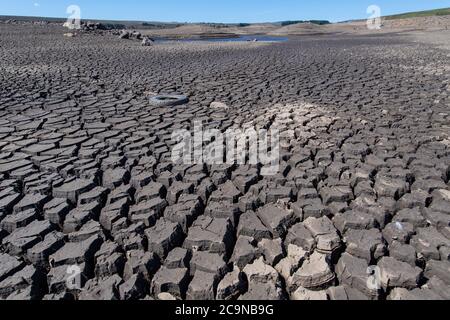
x=215 y=10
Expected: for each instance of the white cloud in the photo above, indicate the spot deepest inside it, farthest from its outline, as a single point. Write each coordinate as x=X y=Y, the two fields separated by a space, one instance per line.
x=36 y=4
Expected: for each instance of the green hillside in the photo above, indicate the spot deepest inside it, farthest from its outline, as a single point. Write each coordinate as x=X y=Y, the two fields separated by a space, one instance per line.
x=428 y=13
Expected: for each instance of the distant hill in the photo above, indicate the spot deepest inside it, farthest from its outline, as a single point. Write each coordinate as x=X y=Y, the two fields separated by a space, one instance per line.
x=288 y=23
x=428 y=13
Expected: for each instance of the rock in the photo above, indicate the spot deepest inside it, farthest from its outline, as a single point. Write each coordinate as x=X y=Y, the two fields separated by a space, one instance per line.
x=417 y=198
x=259 y=291
x=258 y=271
x=273 y=195
x=226 y=192
x=203 y=286
x=276 y=219
x=39 y=254
x=439 y=269
x=223 y=210
x=394 y=273
x=31 y=201
x=109 y=265
x=208 y=262
x=105 y=290
x=325 y=234
x=112 y=213
x=154 y=190
x=300 y=236
x=148 y=211
x=25 y=238
x=263 y=282
x=388 y=187
x=9 y=265
x=177 y=189
x=163 y=237
x=303 y=294
x=58 y=279
x=18 y=220
x=355 y=273
x=27 y=277
x=72 y=190
x=365 y=244
x=289 y=265
x=336 y=194
x=79 y=216
x=98 y=194
x=398 y=231
x=210 y=234
x=427 y=242
x=231 y=286
x=88 y=230
x=56 y=210
x=440 y=287
x=124 y=35
x=344 y=293
x=113 y=178
x=164 y=296
x=412 y=216
x=134 y=288
x=272 y=250
x=353 y=220
x=403 y=252
x=178 y=258
x=173 y=281
x=188 y=208
x=147 y=41
x=251 y=226
x=314 y=273
x=138 y=261
x=419 y=294
x=244 y=252
x=218 y=105
x=77 y=252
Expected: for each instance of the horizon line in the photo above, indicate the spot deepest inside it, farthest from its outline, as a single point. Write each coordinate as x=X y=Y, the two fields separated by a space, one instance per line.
x=212 y=22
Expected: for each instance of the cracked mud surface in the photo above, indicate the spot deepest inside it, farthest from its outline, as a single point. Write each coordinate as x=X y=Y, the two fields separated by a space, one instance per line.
x=86 y=177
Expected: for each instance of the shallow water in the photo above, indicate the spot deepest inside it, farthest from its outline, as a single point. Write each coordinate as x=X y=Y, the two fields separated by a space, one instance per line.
x=246 y=38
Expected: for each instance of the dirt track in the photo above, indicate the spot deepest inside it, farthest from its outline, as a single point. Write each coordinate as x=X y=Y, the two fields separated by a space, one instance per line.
x=86 y=177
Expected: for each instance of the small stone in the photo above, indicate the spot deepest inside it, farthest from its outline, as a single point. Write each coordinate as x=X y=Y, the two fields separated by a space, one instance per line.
x=276 y=219
x=173 y=281
x=9 y=265
x=163 y=237
x=398 y=231
x=300 y=236
x=139 y=261
x=354 y=272
x=314 y=273
x=202 y=287
x=208 y=262
x=76 y=253
x=210 y=234
x=302 y=294
x=323 y=230
x=231 y=286
x=439 y=269
x=72 y=190
x=353 y=220
x=251 y=226
x=403 y=252
x=365 y=244
x=394 y=273
x=272 y=250
x=244 y=252
x=134 y=288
